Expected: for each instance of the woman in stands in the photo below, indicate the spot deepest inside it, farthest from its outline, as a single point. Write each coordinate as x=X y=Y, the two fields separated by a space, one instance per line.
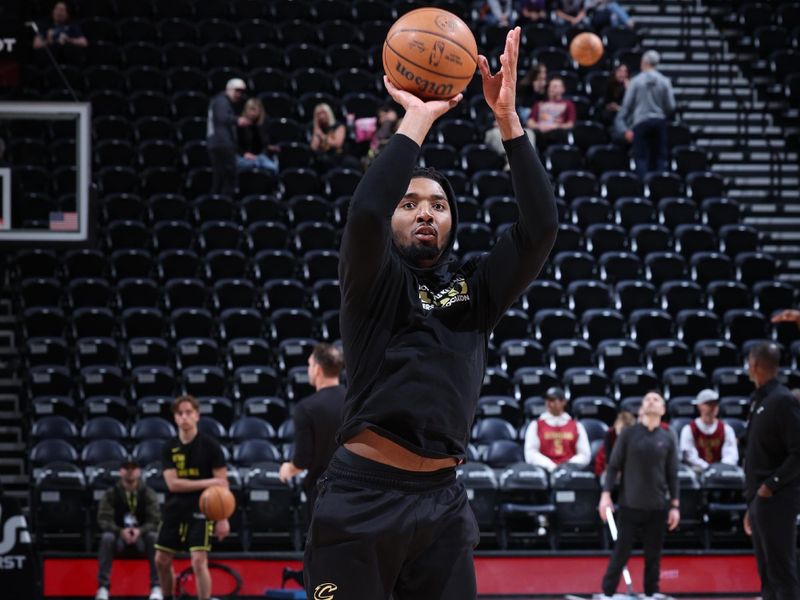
x=531 y=89
x=328 y=139
x=254 y=139
x=615 y=92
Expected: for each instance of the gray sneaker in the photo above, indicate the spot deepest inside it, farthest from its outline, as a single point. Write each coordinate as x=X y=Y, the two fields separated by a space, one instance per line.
x=102 y=593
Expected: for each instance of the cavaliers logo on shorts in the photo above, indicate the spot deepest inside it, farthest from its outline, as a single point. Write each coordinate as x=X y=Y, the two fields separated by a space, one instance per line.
x=324 y=591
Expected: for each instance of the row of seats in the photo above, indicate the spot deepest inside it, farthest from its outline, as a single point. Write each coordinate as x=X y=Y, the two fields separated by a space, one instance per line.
x=515 y=504
x=50 y=381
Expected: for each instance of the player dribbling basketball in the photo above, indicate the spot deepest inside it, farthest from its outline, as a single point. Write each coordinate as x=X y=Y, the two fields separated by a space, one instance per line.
x=391 y=519
x=192 y=462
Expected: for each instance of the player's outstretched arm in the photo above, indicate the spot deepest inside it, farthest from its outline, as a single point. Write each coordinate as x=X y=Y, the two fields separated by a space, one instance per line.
x=520 y=253
x=500 y=89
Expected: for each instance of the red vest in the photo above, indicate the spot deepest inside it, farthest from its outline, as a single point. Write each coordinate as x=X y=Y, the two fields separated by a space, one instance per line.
x=559 y=444
x=709 y=446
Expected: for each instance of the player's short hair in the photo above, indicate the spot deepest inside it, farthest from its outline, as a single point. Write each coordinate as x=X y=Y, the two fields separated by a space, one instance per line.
x=329 y=358
x=652 y=58
x=766 y=354
x=176 y=404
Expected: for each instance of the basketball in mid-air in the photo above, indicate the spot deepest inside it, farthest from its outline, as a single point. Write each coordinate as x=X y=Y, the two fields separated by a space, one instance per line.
x=431 y=53
x=217 y=503
x=586 y=48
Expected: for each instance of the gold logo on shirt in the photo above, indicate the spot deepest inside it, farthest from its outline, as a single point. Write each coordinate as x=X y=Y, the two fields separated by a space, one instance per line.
x=324 y=591
x=456 y=291
x=179 y=460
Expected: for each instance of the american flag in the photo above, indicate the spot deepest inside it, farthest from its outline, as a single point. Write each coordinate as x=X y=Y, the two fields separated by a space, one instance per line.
x=63 y=221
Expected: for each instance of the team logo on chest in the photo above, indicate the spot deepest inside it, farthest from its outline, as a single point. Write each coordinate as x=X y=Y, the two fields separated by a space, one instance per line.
x=456 y=291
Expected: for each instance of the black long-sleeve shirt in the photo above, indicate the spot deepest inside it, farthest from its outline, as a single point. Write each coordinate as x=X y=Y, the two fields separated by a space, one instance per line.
x=648 y=461
x=316 y=420
x=415 y=340
x=773 y=440
x=221 y=123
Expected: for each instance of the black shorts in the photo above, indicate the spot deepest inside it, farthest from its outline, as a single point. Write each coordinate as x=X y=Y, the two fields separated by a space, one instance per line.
x=185 y=534
x=377 y=531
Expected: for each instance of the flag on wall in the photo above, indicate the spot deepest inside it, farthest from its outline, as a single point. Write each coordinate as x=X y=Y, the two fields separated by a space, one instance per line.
x=63 y=221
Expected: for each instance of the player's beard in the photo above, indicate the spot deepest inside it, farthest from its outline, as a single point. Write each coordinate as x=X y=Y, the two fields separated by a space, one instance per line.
x=414 y=253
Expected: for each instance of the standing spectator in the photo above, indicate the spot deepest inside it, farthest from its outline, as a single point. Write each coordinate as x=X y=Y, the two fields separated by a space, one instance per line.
x=646 y=456
x=531 y=89
x=317 y=418
x=555 y=438
x=618 y=83
x=571 y=13
x=624 y=419
x=253 y=139
x=648 y=104
x=772 y=475
x=552 y=118
x=531 y=11
x=128 y=517
x=222 y=136
x=706 y=439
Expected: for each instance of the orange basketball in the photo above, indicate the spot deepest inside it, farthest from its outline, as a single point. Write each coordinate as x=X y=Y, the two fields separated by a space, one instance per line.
x=586 y=48
x=431 y=53
x=217 y=503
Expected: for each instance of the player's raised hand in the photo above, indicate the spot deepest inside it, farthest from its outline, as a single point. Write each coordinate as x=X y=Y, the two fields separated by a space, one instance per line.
x=435 y=108
x=500 y=89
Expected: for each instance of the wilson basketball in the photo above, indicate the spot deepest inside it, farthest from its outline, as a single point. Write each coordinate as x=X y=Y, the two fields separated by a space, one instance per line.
x=217 y=503
x=586 y=48
x=431 y=53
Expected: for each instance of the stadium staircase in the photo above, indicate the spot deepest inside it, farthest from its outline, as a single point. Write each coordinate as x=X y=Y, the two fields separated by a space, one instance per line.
x=14 y=477
x=730 y=120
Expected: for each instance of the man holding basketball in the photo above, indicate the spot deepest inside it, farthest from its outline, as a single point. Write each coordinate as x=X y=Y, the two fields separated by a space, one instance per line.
x=192 y=462
x=391 y=519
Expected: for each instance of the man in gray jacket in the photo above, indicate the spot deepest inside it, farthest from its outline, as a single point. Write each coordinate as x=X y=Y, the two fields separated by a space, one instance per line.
x=648 y=103
x=221 y=137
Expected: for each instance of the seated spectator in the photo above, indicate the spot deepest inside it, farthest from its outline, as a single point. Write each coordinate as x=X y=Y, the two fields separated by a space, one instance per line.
x=377 y=131
x=328 y=138
x=494 y=140
x=707 y=439
x=571 y=13
x=531 y=89
x=609 y=12
x=788 y=315
x=624 y=419
x=128 y=516
x=555 y=438
x=615 y=92
x=64 y=38
x=531 y=11
x=498 y=12
x=253 y=139
x=552 y=118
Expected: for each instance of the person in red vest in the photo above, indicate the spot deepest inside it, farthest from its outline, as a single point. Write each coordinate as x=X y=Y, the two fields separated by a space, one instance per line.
x=555 y=438
x=707 y=439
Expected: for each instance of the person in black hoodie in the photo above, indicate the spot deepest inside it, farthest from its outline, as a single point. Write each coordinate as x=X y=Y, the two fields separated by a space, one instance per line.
x=772 y=475
x=390 y=518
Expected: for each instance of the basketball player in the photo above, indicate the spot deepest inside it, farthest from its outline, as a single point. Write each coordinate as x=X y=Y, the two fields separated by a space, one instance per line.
x=391 y=519
x=192 y=462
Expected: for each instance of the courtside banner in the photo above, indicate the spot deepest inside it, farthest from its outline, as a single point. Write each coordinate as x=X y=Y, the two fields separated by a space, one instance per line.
x=12 y=37
x=16 y=558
